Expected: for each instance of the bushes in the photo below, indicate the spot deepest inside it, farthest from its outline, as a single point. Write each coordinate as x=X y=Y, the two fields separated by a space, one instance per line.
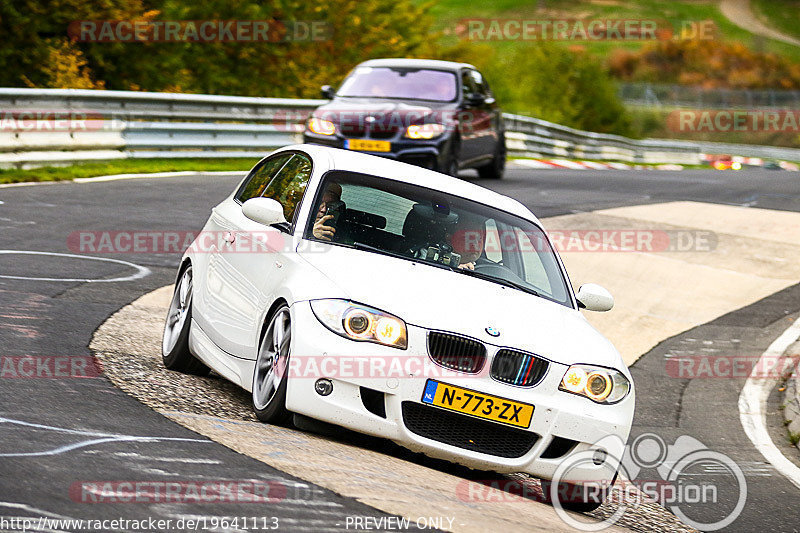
x=706 y=63
x=548 y=81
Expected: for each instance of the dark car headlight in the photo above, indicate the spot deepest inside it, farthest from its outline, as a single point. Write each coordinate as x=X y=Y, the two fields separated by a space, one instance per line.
x=321 y=126
x=599 y=384
x=360 y=322
x=424 y=131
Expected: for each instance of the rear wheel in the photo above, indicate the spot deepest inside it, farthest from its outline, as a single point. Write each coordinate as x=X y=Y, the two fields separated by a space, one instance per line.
x=272 y=367
x=175 y=342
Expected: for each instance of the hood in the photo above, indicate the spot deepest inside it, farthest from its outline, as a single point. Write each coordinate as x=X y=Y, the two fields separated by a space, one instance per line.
x=353 y=113
x=436 y=298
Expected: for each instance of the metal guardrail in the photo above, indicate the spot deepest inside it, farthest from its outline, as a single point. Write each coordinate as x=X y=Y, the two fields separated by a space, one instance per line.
x=682 y=96
x=122 y=124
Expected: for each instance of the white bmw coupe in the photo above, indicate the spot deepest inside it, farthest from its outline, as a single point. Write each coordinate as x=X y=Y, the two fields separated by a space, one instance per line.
x=402 y=303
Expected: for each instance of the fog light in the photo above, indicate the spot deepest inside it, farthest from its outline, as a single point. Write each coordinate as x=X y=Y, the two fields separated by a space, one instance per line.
x=599 y=457
x=323 y=387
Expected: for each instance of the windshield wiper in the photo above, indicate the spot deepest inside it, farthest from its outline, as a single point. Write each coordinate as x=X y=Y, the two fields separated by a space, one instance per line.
x=501 y=281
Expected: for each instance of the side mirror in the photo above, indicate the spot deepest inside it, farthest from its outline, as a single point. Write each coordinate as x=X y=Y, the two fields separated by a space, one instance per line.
x=476 y=99
x=593 y=297
x=328 y=92
x=263 y=210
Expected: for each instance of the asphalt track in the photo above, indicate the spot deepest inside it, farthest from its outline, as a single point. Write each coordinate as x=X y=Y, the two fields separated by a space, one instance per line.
x=39 y=464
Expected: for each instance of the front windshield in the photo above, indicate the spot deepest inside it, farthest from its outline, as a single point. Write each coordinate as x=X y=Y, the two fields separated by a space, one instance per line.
x=418 y=224
x=405 y=83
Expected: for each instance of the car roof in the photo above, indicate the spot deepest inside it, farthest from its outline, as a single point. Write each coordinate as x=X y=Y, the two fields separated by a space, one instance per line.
x=380 y=166
x=415 y=63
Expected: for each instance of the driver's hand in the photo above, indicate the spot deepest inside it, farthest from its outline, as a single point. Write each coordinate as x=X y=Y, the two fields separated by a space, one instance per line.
x=467 y=266
x=321 y=231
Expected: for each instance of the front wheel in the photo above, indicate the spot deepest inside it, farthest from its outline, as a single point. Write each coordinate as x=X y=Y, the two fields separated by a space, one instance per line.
x=270 y=376
x=175 y=342
x=495 y=169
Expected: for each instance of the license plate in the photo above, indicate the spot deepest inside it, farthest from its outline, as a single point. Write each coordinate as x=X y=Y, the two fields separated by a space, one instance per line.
x=477 y=404
x=367 y=145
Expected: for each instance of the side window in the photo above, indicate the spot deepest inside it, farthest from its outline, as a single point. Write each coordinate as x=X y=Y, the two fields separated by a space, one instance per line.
x=480 y=83
x=255 y=184
x=289 y=185
x=467 y=84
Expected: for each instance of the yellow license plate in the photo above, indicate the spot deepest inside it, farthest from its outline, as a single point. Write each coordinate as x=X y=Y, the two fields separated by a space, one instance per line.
x=367 y=145
x=477 y=404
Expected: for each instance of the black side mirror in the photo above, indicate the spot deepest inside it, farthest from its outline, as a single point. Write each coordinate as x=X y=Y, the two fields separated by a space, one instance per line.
x=476 y=99
x=328 y=92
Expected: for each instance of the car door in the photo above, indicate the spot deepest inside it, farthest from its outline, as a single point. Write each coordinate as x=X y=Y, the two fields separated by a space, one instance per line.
x=220 y=285
x=484 y=128
x=255 y=255
x=468 y=113
x=489 y=124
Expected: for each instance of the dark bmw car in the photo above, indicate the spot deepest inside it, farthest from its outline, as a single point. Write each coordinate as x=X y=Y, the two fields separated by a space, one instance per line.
x=436 y=114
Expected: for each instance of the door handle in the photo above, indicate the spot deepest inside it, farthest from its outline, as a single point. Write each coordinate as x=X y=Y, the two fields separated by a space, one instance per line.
x=229 y=237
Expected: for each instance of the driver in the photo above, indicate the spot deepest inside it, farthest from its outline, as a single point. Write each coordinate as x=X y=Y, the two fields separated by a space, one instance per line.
x=332 y=194
x=469 y=238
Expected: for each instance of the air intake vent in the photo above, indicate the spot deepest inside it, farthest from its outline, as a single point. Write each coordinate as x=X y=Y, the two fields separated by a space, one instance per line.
x=456 y=352
x=467 y=432
x=518 y=368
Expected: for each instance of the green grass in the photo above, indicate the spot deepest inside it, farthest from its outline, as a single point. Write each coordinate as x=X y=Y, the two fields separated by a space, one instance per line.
x=122 y=166
x=783 y=15
x=449 y=12
x=794 y=438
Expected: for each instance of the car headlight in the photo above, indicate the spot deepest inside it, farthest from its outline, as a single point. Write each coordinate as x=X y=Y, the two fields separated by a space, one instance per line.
x=360 y=322
x=599 y=384
x=321 y=126
x=424 y=131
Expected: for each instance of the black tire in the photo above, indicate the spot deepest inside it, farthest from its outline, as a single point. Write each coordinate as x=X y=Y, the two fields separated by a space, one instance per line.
x=450 y=164
x=576 y=504
x=175 y=340
x=494 y=170
x=270 y=376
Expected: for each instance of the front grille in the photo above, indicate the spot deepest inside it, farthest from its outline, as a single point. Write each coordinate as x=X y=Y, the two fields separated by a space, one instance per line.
x=352 y=129
x=381 y=131
x=467 y=432
x=518 y=368
x=456 y=352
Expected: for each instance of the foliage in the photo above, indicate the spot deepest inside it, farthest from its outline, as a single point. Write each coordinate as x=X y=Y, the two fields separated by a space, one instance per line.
x=548 y=81
x=706 y=63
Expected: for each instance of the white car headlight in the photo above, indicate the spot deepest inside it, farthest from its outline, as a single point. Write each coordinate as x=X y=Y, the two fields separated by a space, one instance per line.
x=424 y=131
x=360 y=322
x=321 y=126
x=599 y=384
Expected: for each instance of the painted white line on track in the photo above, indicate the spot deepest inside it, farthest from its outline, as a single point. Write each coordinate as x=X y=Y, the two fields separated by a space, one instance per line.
x=140 y=270
x=753 y=402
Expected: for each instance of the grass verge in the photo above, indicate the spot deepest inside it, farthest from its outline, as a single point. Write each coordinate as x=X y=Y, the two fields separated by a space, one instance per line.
x=122 y=166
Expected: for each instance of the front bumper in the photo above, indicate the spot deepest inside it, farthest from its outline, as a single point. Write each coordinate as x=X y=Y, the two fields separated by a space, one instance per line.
x=399 y=376
x=430 y=154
